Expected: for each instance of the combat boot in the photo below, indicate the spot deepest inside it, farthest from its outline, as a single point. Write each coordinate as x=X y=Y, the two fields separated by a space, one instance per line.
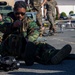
x=62 y=54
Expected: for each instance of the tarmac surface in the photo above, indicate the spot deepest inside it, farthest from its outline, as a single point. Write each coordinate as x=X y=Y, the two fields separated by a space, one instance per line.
x=67 y=67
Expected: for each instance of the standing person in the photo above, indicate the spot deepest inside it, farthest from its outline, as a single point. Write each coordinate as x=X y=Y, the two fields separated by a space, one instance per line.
x=45 y=11
x=51 y=5
x=28 y=4
x=37 y=5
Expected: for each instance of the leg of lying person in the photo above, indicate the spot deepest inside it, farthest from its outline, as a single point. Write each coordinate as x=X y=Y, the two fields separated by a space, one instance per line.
x=50 y=55
x=61 y=54
x=29 y=53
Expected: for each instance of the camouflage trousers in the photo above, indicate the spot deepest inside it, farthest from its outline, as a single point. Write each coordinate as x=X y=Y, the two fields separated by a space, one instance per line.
x=51 y=20
x=39 y=22
x=29 y=51
x=39 y=15
x=44 y=53
x=39 y=18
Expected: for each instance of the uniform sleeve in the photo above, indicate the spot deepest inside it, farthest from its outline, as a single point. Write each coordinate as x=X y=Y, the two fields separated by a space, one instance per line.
x=33 y=31
x=4 y=24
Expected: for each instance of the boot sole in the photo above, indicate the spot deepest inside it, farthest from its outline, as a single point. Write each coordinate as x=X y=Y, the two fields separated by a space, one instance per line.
x=62 y=54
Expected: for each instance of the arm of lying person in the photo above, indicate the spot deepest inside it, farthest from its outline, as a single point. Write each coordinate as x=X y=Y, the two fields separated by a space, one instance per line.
x=33 y=31
x=4 y=24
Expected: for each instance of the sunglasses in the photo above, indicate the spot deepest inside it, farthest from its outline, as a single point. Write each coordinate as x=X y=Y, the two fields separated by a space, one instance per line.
x=18 y=13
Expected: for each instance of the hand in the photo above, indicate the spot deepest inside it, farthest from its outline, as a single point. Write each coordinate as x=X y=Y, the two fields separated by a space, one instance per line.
x=42 y=28
x=0 y=17
x=58 y=16
x=17 y=23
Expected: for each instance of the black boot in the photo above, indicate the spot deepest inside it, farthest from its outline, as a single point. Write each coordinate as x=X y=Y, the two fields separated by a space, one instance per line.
x=62 y=54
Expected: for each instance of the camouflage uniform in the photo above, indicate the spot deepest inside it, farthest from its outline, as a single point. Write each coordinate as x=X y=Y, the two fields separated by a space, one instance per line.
x=37 y=7
x=29 y=27
x=40 y=49
x=29 y=30
x=51 y=13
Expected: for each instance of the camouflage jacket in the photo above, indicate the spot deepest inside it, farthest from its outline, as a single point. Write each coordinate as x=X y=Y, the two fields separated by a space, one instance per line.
x=29 y=28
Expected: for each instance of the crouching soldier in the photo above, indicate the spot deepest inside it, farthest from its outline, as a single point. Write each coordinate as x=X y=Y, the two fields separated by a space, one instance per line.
x=20 y=40
x=18 y=33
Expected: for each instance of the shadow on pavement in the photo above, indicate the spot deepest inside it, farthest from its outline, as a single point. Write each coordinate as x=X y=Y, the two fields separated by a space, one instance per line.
x=65 y=68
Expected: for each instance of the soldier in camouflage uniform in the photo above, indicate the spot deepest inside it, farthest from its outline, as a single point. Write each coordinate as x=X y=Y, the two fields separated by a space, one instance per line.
x=31 y=50
x=28 y=25
x=19 y=24
x=37 y=5
x=51 y=6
